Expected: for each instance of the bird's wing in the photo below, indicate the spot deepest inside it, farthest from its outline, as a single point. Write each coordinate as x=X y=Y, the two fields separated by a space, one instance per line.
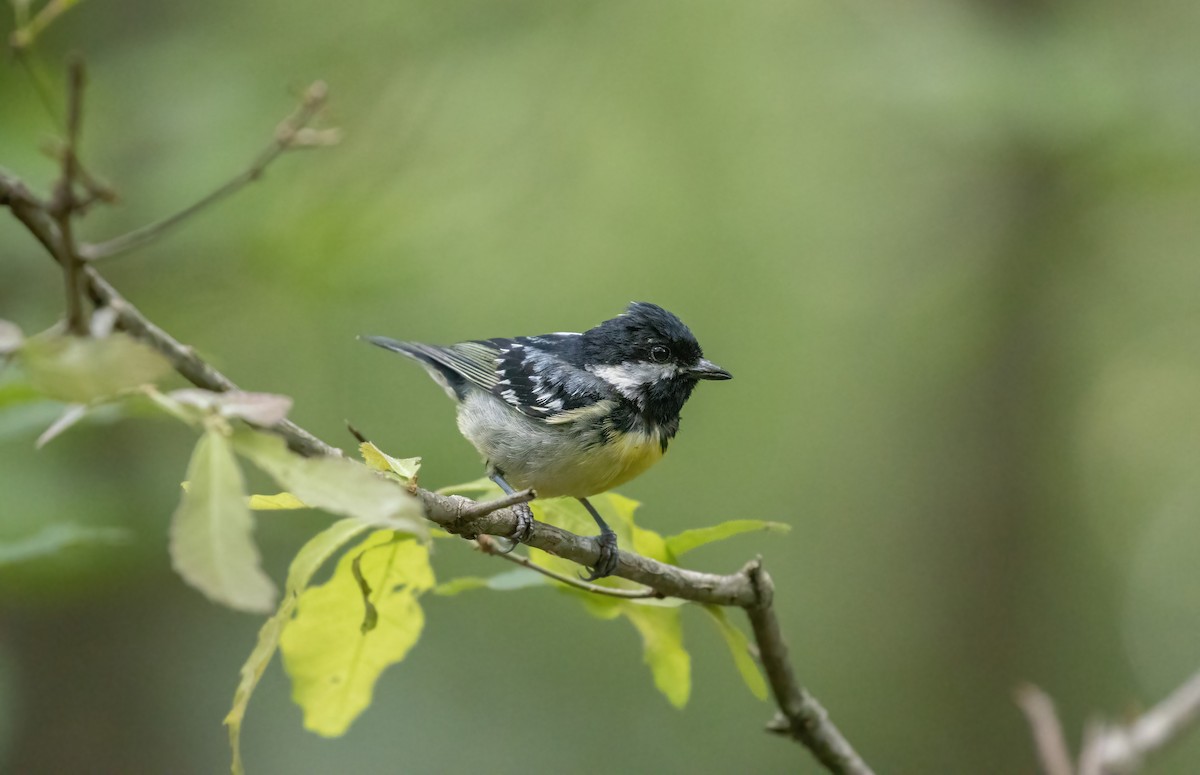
x=529 y=373
x=533 y=376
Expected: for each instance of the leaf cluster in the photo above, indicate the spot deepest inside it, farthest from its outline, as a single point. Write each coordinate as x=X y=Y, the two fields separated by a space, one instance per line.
x=336 y=637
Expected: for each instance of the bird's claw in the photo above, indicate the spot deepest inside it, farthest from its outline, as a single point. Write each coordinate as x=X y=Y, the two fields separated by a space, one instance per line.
x=609 y=557
x=523 y=530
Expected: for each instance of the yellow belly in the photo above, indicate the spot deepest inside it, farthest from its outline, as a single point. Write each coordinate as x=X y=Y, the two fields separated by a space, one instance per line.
x=634 y=453
x=600 y=468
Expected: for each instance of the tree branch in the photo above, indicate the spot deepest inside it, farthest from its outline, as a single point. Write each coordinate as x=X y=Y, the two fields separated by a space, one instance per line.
x=1123 y=748
x=63 y=206
x=292 y=132
x=1111 y=749
x=515 y=499
x=801 y=717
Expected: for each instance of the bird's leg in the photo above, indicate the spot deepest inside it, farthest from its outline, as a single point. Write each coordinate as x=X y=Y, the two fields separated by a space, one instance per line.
x=606 y=563
x=524 y=514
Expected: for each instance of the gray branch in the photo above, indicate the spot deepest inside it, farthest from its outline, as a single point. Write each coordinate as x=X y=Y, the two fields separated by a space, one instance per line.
x=800 y=716
x=1111 y=749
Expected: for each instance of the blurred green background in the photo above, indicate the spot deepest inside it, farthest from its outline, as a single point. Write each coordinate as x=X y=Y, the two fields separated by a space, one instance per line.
x=948 y=252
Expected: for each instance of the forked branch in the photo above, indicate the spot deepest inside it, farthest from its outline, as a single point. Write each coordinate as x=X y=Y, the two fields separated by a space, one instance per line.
x=1108 y=748
x=800 y=716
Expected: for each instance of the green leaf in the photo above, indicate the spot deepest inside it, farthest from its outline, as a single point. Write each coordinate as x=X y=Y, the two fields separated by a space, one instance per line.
x=519 y=578
x=53 y=539
x=81 y=370
x=211 y=540
x=17 y=393
x=283 y=501
x=739 y=649
x=336 y=485
x=405 y=468
x=690 y=539
x=279 y=501
x=662 y=648
x=305 y=564
x=333 y=663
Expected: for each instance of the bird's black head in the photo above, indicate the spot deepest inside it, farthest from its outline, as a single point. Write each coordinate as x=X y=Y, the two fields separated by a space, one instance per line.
x=650 y=357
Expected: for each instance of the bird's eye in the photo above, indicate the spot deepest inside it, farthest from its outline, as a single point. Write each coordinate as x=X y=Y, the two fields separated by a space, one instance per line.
x=660 y=354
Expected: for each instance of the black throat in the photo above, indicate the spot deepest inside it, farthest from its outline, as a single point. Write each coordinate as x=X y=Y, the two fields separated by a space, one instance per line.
x=657 y=411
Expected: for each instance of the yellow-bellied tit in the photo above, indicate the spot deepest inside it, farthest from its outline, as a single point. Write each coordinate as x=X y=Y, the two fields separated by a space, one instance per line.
x=571 y=414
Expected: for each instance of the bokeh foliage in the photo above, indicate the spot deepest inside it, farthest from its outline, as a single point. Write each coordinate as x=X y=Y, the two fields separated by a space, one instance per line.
x=947 y=250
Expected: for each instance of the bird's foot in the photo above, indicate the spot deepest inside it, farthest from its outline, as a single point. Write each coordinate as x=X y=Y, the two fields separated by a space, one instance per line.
x=609 y=557
x=523 y=530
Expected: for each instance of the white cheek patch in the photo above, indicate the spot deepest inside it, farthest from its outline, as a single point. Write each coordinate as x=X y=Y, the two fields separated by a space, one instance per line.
x=631 y=377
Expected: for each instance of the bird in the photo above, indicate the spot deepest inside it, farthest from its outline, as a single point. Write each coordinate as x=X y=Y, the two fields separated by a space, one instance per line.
x=571 y=414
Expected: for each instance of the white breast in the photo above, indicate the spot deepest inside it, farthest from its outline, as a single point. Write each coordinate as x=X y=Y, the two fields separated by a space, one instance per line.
x=568 y=458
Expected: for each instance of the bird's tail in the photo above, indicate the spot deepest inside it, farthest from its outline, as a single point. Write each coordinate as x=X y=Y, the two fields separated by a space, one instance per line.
x=430 y=357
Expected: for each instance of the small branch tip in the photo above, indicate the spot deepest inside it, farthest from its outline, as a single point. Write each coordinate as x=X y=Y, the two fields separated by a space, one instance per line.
x=316 y=94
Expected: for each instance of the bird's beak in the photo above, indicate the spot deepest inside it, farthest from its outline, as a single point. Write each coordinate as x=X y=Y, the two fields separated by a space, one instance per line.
x=706 y=369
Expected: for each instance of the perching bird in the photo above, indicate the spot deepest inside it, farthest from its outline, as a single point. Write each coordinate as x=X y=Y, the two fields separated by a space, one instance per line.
x=571 y=414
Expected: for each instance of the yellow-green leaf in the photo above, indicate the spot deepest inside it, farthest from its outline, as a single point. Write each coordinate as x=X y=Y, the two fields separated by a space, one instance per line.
x=305 y=564
x=81 y=370
x=405 y=468
x=739 y=649
x=337 y=485
x=17 y=393
x=662 y=649
x=334 y=665
x=282 y=500
x=211 y=542
x=690 y=539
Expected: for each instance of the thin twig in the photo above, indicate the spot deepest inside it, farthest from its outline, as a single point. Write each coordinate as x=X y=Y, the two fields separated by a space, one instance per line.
x=287 y=136
x=1123 y=748
x=26 y=34
x=488 y=545
x=1091 y=752
x=487 y=507
x=63 y=205
x=1047 y=730
x=802 y=717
